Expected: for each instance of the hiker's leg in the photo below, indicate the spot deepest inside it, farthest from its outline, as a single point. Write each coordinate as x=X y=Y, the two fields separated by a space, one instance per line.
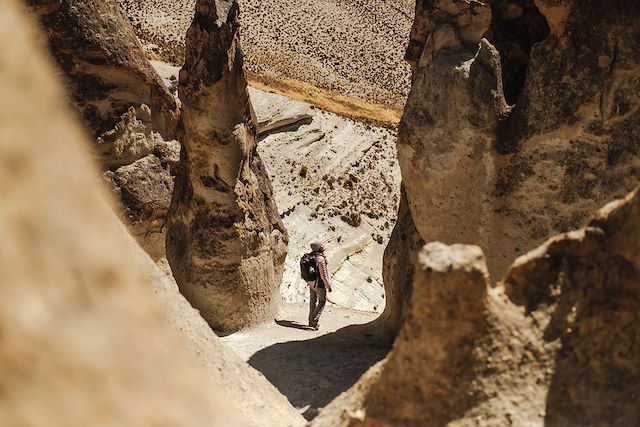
x=312 y=304
x=322 y=299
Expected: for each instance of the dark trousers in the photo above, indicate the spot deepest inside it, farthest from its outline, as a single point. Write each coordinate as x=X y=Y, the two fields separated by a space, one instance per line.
x=318 y=295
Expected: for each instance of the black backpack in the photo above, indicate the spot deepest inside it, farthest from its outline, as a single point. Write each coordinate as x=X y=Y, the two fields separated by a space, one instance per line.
x=308 y=267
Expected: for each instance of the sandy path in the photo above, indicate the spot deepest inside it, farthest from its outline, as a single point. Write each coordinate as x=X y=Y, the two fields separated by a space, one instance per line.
x=310 y=367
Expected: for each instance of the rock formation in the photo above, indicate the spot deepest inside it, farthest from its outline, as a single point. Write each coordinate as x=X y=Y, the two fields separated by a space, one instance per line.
x=82 y=341
x=85 y=336
x=400 y=256
x=124 y=104
x=105 y=68
x=479 y=171
x=141 y=167
x=556 y=343
x=225 y=240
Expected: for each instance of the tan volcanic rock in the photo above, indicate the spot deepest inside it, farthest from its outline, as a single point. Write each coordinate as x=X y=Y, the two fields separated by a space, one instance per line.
x=556 y=343
x=103 y=62
x=400 y=257
x=85 y=312
x=480 y=172
x=83 y=343
x=123 y=102
x=225 y=240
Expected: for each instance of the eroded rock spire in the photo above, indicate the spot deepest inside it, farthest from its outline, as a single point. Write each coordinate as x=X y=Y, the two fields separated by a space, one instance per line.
x=225 y=241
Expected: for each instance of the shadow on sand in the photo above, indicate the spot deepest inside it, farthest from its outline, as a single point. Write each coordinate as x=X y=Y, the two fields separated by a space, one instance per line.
x=293 y=324
x=313 y=372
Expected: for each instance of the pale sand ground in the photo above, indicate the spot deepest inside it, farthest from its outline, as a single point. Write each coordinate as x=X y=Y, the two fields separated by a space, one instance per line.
x=309 y=367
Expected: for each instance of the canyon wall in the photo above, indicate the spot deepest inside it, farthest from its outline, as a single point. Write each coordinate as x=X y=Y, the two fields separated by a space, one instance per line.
x=555 y=343
x=225 y=241
x=123 y=103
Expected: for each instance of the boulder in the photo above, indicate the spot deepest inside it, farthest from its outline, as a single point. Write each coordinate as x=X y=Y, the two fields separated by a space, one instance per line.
x=225 y=240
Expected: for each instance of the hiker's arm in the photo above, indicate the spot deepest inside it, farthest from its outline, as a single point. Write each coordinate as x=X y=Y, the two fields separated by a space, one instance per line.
x=324 y=274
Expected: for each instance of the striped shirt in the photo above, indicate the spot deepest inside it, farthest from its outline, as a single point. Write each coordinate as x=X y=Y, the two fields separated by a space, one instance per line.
x=323 y=280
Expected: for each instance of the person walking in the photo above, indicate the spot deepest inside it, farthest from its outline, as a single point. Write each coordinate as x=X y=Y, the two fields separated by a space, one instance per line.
x=319 y=287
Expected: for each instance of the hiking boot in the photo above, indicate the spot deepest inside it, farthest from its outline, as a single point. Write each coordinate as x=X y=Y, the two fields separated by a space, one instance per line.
x=316 y=326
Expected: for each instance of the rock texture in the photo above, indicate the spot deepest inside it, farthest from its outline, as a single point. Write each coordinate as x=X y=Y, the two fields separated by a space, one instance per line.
x=330 y=52
x=94 y=333
x=141 y=166
x=124 y=104
x=555 y=344
x=400 y=257
x=82 y=341
x=103 y=62
x=335 y=180
x=504 y=177
x=225 y=240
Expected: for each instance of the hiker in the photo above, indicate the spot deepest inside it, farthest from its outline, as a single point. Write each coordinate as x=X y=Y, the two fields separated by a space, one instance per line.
x=316 y=274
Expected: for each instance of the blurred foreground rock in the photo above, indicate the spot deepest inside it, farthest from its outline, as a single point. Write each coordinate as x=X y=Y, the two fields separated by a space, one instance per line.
x=84 y=339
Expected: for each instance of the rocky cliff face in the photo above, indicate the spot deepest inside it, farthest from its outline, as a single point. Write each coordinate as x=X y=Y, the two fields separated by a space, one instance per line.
x=335 y=180
x=225 y=240
x=479 y=171
x=555 y=343
x=103 y=62
x=123 y=103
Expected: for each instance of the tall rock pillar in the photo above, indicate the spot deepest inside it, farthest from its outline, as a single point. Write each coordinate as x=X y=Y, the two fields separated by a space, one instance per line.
x=225 y=240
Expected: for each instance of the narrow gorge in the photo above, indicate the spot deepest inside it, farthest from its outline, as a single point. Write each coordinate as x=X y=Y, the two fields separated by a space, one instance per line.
x=470 y=166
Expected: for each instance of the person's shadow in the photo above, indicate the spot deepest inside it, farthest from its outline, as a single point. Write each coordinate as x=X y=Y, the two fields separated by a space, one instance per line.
x=311 y=373
x=293 y=324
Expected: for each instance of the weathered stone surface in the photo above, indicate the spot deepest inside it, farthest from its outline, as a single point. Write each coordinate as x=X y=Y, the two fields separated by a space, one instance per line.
x=103 y=62
x=400 y=257
x=141 y=167
x=446 y=138
x=571 y=144
x=133 y=138
x=225 y=240
x=145 y=188
x=93 y=332
x=338 y=181
x=83 y=343
x=478 y=171
x=582 y=290
x=555 y=344
x=122 y=100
